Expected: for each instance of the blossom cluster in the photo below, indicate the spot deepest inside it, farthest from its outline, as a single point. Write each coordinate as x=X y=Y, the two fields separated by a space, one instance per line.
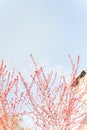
x=51 y=104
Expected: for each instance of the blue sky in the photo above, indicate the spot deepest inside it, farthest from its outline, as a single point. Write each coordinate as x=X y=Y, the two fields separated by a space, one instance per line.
x=49 y=29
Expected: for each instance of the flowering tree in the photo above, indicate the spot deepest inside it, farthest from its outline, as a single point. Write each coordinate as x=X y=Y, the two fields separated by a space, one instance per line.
x=10 y=100
x=50 y=105
x=54 y=106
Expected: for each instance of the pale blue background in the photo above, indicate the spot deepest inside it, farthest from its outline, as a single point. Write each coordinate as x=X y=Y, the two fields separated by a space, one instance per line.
x=49 y=29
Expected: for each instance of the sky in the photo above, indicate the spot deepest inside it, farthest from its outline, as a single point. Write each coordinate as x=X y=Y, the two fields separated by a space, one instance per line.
x=48 y=29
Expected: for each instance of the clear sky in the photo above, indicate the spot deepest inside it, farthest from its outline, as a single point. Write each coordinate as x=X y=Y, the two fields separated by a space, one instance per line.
x=49 y=29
